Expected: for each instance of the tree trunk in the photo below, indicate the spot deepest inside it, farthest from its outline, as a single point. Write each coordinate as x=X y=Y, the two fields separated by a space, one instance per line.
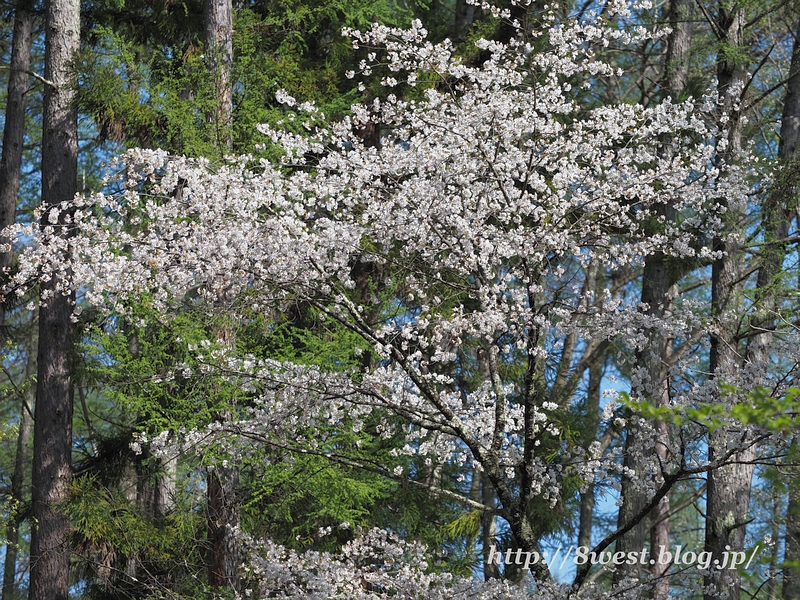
x=593 y=423
x=790 y=136
x=658 y=277
x=488 y=528
x=676 y=66
x=14 y=129
x=639 y=453
x=223 y=481
x=52 y=453
x=728 y=494
x=791 y=574
x=657 y=282
x=219 y=59
x=27 y=399
x=223 y=515
x=633 y=501
x=10 y=165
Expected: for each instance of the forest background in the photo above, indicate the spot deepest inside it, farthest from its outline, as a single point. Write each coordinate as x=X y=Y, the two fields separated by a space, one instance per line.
x=664 y=383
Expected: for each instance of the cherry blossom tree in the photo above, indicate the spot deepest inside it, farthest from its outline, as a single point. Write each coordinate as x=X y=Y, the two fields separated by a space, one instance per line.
x=486 y=214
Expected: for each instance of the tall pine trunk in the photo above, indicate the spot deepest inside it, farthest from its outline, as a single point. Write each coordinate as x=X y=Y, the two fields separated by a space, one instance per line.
x=658 y=278
x=658 y=284
x=21 y=463
x=223 y=517
x=50 y=552
x=728 y=493
x=223 y=481
x=10 y=165
x=586 y=514
x=218 y=16
x=14 y=128
x=787 y=152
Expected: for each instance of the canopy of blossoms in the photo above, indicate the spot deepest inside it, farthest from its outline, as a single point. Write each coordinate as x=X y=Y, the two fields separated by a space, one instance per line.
x=493 y=195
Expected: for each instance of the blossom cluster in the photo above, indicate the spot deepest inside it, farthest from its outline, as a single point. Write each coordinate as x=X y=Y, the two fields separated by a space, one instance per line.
x=377 y=564
x=492 y=198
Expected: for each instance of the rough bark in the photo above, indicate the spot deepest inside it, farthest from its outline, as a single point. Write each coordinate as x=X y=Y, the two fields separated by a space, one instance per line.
x=593 y=394
x=10 y=165
x=21 y=462
x=657 y=290
x=640 y=447
x=219 y=60
x=488 y=529
x=164 y=488
x=728 y=494
x=658 y=277
x=659 y=517
x=223 y=509
x=790 y=119
x=791 y=574
x=676 y=71
x=14 y=129
x=223 y=515
x=49 y=579
x=787 y=152
x=775 y=219
x=223 y=481
x=633 y=501
x=52 y=453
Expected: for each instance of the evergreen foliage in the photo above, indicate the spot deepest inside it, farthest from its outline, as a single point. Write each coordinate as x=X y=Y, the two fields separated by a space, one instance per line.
x=138 y=516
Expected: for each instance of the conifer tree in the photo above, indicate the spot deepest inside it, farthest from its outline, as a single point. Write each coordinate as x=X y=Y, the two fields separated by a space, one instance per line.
x=52 y=437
